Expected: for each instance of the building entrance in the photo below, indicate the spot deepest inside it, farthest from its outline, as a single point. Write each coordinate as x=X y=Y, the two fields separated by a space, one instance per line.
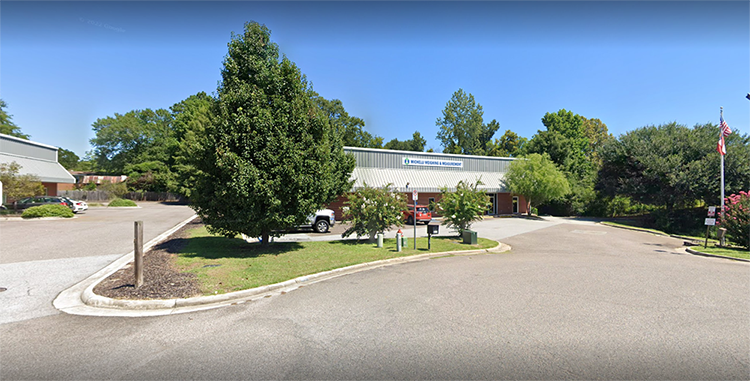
x=491 y=209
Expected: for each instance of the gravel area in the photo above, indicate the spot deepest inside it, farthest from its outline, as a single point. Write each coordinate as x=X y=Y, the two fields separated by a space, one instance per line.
x=160 y=278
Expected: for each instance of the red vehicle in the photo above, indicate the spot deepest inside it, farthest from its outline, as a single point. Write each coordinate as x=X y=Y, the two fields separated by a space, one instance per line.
x=423 y=214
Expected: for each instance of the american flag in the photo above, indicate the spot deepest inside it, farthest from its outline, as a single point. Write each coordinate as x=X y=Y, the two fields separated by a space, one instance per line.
x=725 y=130
x=721 y=146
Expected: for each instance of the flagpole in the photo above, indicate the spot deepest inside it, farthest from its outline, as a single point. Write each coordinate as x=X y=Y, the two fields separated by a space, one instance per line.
x=721 y=134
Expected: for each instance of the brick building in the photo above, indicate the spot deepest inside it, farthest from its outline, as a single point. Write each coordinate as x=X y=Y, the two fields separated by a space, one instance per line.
x=36 y=159
x=428 y=172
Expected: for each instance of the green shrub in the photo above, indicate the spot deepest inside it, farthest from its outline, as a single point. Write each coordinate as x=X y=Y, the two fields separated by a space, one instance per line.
x=122 y=202
x=737 y=218
x=116 y=190
x=464 y=206
x=618 y=206
x=51 y=210
x=373 y=210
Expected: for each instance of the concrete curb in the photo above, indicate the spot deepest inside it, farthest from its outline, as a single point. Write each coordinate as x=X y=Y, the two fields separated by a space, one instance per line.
x=89 y=303
x=654 y=233
x=637 y=230
x=696 y=252
x=74 y=298
x=37 y=218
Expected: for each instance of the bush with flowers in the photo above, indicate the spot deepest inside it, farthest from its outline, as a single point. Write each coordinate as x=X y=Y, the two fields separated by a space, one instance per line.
x=373 y=210
x=737 y=218
x=464 y=206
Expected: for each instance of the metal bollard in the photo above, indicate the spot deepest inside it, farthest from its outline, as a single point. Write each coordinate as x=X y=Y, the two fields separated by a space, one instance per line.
x=380 y=240
x=398 y=242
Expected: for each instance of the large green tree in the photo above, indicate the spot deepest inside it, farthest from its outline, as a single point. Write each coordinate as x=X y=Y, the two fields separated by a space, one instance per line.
x=271 y=158
x=537 y=179
x=416 y=143
x=192 y=118
x=68 y=159
x=154 y=147
x=572 y=142
x=673 y=166
x=7 y=126
x=351 y=128
x=462 y=127
x=508 y=145
x=131 y=138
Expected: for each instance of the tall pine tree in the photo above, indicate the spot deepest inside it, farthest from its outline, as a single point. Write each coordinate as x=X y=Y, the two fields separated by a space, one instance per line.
x=271 y=159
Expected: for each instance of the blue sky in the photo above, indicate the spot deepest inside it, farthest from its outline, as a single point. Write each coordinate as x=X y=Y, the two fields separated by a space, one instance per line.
x=394 y=64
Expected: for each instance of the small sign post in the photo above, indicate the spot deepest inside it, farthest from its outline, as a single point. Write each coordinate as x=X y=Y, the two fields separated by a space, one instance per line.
x=415 y=197
x=710 y=221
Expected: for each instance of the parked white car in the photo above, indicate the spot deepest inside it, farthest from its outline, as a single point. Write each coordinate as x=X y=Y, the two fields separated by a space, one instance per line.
x=321 y=221
x=78 y=206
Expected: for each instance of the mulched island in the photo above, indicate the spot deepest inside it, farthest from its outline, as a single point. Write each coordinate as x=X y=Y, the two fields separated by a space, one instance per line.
x=160 y=278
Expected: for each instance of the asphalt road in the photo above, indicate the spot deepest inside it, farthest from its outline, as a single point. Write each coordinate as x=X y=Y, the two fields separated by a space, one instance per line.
x=570 y=301
x=40 y=258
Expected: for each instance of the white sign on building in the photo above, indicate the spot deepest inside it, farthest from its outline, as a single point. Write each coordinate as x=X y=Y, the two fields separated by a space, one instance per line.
x=433 y=162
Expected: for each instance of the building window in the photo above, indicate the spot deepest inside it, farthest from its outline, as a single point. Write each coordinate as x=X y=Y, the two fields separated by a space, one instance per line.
x=431 y=204
x=515 y=204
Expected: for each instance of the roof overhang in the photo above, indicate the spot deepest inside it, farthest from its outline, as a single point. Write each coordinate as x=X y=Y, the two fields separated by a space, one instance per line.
x=425 y=180
x=47 y=171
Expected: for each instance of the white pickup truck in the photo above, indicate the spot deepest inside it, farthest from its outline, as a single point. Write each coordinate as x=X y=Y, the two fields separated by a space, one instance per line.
x=321 y=221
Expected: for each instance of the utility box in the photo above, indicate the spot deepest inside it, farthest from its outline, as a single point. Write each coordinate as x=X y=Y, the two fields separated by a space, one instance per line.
x=470 y=237
x=433 y=228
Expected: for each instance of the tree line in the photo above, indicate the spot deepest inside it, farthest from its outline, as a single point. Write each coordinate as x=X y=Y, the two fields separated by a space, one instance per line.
x=266 y=113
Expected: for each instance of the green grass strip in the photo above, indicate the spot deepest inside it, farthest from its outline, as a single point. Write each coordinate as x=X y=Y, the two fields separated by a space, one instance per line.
x=724 y=251
x=711 y=248
x=231 y=264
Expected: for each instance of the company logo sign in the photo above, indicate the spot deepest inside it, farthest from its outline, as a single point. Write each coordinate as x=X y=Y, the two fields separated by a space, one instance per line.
x=433 y=162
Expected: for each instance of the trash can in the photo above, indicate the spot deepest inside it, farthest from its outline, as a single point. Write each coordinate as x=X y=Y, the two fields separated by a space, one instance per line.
x=470 y=237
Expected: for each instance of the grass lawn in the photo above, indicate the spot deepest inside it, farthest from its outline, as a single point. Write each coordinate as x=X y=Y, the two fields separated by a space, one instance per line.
x=231 y=264
x=710 y=249
x=724 y=251
x=619 y=224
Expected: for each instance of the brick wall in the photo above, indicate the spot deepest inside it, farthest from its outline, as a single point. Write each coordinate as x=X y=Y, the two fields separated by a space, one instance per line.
x=504 y=203
x=50 y=188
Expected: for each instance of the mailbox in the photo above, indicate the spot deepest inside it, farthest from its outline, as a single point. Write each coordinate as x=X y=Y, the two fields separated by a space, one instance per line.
x=433 y=228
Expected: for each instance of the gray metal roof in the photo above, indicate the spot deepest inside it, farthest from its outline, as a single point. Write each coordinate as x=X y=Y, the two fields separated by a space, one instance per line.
x=47 y=171
x=383 y=158
x=426 y=171
x=27 y=148
x=425 y=181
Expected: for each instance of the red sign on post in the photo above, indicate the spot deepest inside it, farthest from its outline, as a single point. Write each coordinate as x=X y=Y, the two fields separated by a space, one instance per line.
x=414 y=195
x=711 y=211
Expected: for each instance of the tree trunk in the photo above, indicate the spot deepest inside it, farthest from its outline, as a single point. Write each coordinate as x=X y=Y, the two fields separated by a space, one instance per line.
x=264 y=238
x=528 y=207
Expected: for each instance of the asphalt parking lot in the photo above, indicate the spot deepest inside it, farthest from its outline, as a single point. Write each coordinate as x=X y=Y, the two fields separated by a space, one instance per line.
x=40 y=258
x=572 y=300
